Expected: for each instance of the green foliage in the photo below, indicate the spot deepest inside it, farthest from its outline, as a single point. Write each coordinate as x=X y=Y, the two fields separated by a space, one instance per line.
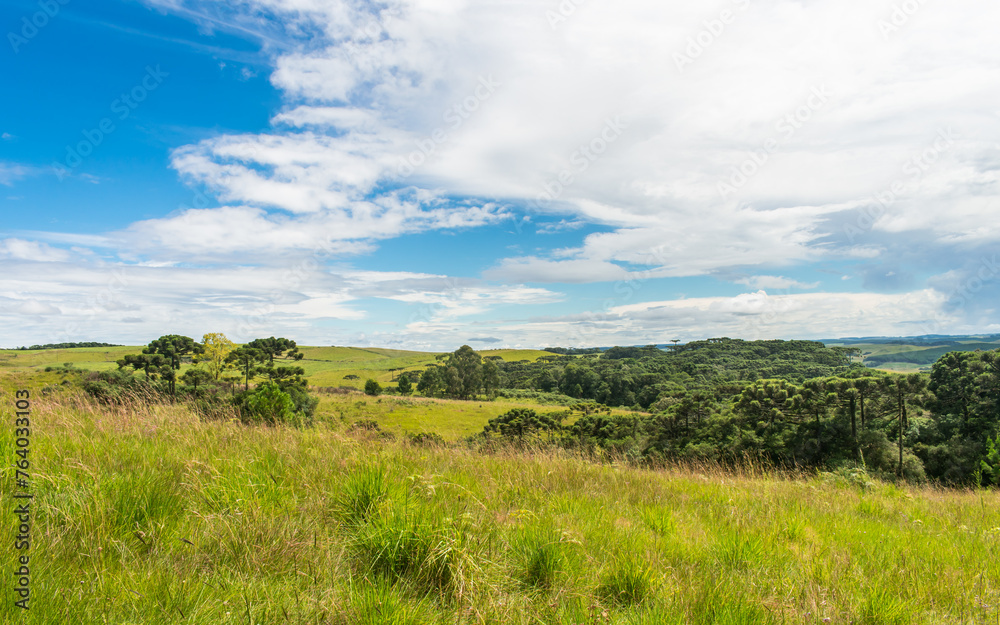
x=427 y=439
x=373 y=388
x=267 y=404
x=521 y=423
x=403 y=385
x=276 y=348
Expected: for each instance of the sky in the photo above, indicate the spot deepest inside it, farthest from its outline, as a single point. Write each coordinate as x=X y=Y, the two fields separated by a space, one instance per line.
x=422 y=174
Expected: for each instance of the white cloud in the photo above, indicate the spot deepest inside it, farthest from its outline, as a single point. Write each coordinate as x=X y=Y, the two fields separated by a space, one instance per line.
x=12 y=172
x=775 y=282
x=775 y=147
x=20 y=249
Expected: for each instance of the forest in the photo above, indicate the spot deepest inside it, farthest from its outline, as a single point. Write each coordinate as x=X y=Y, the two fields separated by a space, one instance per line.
x=794 y=404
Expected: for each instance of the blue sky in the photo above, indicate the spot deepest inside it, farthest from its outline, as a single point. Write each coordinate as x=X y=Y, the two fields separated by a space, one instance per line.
x=428 y=173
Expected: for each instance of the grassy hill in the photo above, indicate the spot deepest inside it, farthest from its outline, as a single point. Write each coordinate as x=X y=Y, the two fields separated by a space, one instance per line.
x=151 y=515
x=909 y=354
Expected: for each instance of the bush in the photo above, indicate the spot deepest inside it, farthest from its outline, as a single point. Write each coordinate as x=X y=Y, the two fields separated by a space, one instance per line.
x=373 y=388
x=427 y=439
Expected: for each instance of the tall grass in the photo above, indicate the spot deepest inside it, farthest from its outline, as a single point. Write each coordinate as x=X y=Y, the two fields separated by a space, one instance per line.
x=152 y=514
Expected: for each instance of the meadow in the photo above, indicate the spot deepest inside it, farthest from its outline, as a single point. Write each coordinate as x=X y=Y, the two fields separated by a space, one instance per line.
x=150 y=514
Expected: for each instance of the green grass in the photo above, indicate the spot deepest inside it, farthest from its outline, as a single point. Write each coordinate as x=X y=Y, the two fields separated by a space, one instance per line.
x=151 y=515
x=93 y=358
x=452 y=419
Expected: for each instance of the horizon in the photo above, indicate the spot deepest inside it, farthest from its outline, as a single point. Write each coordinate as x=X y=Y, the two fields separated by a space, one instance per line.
x=418 y=175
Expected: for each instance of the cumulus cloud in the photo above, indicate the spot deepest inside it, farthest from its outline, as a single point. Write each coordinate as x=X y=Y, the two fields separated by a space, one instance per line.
x=787 y=135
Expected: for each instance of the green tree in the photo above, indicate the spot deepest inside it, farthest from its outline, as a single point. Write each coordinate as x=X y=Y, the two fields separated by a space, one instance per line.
x=431 y=382
x=465 y=373
x=903 y=389
x=372 y=388
x=276 y=348
x=403 y=386
x=249 y=361
x=173 y=348
x=195 y=376
x=491 y=378
x=148 y=363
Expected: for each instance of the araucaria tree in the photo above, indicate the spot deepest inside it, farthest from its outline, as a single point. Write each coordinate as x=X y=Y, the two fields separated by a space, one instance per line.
x=164 y=355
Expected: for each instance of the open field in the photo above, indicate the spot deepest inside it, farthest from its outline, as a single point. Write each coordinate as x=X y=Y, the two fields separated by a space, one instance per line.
x=324 y=366
x=152 y=515
x=452 y=419
x=919 y=355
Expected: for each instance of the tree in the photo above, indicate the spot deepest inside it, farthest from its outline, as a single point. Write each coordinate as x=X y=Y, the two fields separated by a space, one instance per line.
x=403 y=386
x=431 y=382
x=249 y=361
x=195 y=376
x=903 y=389
x=491 y=378
x=173 y=348
x=149 y=363
x=217 y=349
x=275 y=348
x=521 y=422
x=372 y=388
x=285 y=377
x=465 y=373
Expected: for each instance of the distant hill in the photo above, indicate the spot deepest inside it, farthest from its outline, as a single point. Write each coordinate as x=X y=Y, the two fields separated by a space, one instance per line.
x=922 y=351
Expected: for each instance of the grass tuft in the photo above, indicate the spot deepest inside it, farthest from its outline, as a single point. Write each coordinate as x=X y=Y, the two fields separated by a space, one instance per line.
x=627 y=584
x=361 y=495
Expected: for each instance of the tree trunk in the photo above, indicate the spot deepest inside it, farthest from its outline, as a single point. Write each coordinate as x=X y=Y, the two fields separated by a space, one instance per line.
x=853 y=406
x=902 y=415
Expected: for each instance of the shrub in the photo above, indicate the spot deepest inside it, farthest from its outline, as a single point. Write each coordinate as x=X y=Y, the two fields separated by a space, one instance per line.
x=427 y=439
x=266 y=403
x=373 y=388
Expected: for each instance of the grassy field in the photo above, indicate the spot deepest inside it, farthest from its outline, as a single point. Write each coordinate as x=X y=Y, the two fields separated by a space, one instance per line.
x=152 y=515
x=911 y=358
x=324 y=366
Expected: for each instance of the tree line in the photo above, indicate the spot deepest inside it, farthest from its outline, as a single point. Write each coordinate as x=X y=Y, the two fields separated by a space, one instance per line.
x=709 y=400
x=219 y=368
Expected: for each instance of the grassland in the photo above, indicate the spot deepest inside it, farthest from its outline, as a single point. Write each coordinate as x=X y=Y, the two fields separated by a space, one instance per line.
x=892 y=356
x=152 y=515
x=324 y=366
